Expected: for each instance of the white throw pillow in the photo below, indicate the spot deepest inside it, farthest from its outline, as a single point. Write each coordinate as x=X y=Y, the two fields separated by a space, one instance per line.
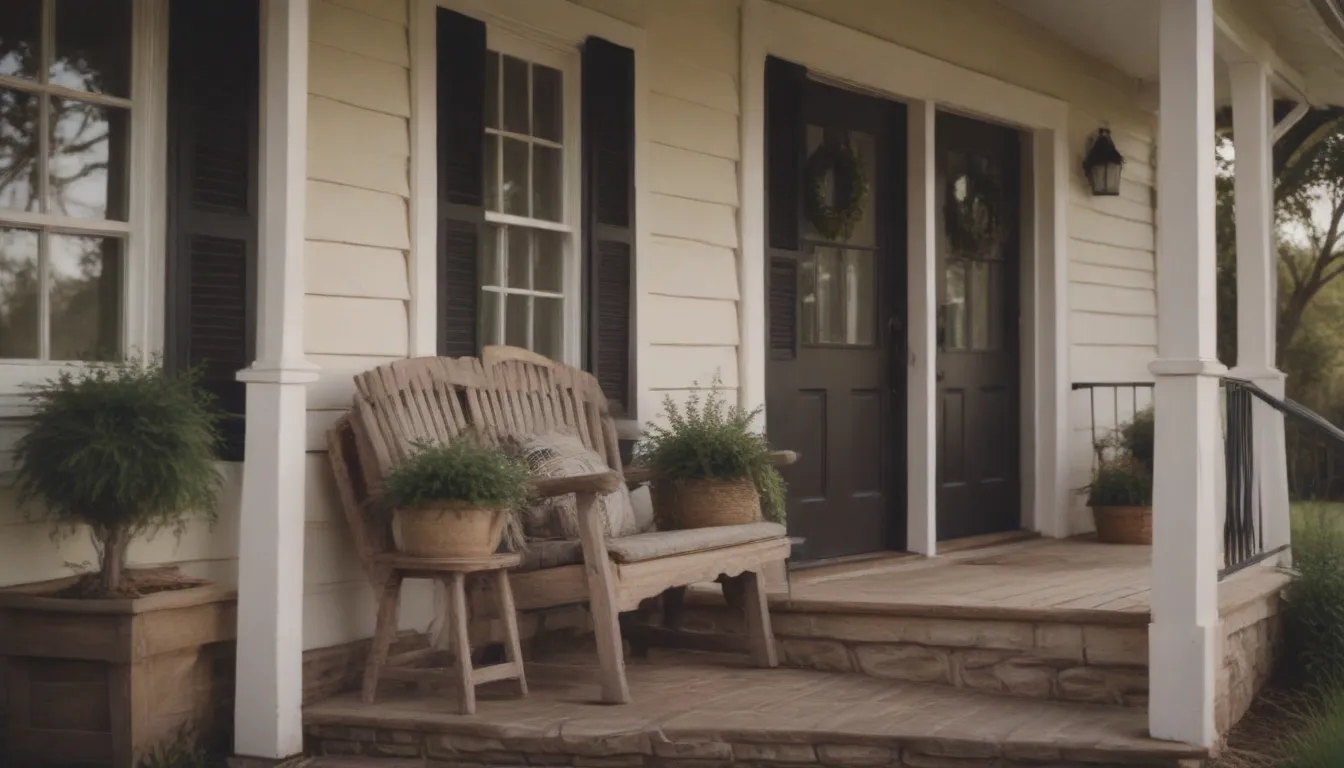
x=556 y=454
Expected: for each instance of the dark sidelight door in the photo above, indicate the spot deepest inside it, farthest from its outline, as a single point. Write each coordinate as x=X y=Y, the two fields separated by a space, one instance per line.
x=836 y=375
x=978 y=351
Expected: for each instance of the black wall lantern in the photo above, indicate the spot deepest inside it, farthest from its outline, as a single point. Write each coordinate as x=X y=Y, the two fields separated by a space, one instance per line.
x=1102 y=165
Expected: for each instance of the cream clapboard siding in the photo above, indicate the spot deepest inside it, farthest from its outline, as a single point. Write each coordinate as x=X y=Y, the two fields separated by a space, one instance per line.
x=357 y=282
x=1112 y=297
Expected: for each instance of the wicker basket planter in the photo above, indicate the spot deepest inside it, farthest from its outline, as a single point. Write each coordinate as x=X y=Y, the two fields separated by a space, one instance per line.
x=707 y=503
x=1124 y=525
x=449 y=529
x=99 y=682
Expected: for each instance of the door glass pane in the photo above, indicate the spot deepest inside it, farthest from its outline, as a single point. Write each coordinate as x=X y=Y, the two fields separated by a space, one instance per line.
x=547 y=327
x=491 y=331
x=548 y=269
x=93 y=46
x=19 y=306
x=839 y=175
x=87 y=173
x=85 y=297
x=954 y=306
x=20 y=29
x=516 y=101
x=979 y=301
x=516 y=322
x=860 y=283
x=975 y=207
x=514 y=188
x=18 y=150
x=838 y=305
x=548 y=114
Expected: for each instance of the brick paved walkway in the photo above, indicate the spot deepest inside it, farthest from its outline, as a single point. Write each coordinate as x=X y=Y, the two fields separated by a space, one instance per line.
x=708 y=708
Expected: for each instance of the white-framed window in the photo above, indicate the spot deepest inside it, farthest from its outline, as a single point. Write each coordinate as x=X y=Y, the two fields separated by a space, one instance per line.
x=530 y=271
x=66 y=114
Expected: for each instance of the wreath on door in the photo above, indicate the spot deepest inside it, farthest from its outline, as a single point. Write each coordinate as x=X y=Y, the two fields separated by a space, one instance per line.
x=835 y=220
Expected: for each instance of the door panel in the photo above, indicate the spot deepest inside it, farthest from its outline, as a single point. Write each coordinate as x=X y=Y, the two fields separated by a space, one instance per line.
x=836 y=304
x=979 y=220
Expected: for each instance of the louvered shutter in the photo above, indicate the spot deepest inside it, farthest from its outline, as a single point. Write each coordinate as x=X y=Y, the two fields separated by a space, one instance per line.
x=213 y=105
x=609 y=217
x=461 y=141
x=784 y=148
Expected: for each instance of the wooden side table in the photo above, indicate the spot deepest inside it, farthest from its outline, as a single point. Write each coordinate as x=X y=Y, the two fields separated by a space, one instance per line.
x=452 y=573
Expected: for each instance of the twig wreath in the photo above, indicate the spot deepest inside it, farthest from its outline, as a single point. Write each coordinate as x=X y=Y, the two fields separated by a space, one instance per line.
x=835 y=221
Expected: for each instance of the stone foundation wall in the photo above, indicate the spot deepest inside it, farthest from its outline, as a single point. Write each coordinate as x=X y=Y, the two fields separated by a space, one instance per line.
x=1252 y=641
x=1072 y=662
x=657 y=750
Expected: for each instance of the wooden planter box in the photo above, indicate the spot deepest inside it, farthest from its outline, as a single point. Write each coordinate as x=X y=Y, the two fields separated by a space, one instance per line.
x=97 y=682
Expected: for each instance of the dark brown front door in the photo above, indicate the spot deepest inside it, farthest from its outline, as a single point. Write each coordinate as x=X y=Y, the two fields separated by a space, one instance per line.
x=978 y=350
x=835 y=310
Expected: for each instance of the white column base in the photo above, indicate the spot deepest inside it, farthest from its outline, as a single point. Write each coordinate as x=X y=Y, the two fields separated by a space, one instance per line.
x=1183 y=680
x=269 y=687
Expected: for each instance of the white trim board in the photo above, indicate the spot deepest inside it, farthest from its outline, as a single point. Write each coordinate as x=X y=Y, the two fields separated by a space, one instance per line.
x=560 y=23
x=927 y=84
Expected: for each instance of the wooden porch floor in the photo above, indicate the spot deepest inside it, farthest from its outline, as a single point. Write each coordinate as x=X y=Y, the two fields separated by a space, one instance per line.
x=1033 y=580
x=705 y=705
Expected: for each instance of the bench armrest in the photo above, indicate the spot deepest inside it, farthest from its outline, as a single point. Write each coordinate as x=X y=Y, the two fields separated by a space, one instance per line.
x=639 y=475
x=597 y=483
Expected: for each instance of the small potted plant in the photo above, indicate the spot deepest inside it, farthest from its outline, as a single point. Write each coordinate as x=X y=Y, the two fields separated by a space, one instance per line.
x=710 y=467
x=120 y=450
x=1121 y=491
x=456 y=499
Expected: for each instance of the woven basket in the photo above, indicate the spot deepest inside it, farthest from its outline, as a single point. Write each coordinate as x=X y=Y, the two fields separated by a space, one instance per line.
x=450 y=529
x=1124 y=525
x=707 y=503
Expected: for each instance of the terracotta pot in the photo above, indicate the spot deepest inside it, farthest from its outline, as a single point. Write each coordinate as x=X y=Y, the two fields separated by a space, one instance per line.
x=1124 y=525
x=450 y=529
x=101 y=682
x=707 y=503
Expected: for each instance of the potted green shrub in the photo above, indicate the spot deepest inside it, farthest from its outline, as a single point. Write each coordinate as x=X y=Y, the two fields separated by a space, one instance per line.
x=1121 y=491
x=456 y=499
x=710 y=467
x=120 y=450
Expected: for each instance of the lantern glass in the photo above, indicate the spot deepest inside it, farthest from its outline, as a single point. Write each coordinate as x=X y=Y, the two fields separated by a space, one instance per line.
x=1105 y=179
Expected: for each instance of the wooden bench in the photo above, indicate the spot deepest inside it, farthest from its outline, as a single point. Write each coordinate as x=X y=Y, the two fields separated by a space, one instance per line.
x=513 y=393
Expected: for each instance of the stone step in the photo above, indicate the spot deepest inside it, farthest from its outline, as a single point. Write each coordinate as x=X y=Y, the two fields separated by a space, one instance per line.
x=1030 y=656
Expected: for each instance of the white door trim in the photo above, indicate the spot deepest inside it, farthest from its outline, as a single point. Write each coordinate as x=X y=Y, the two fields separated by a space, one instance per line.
x=558 y=22
x=926 y=83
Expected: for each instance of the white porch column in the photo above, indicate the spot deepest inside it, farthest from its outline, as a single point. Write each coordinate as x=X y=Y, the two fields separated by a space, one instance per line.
x=922 y=311
x=1257 y=283
x=1183 y=638
x=267 y=715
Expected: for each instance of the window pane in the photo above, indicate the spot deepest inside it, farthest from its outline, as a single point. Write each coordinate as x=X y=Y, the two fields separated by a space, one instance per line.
x=19 y=306
x=492 y=90
x=87 y=170
x=18 y=150
x=548 y=273
x=548 y=112
x=20 y=29
x=85 y=297
x=515 y=96
x=515 y=320
x=547 y=328
x=547 y=183
x=93 y=46
x=520 y=254
x=515 y=177
x=491 y=333
x=490 y=164
x=490 y=273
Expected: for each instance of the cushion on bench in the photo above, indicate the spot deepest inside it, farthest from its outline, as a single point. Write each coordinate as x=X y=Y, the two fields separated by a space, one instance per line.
x=649 y=546
x=551 y=553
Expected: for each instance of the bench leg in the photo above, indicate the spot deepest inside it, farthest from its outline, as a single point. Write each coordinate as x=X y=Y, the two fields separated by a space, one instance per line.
x=458 y=619
x=602 y=602
x=760 y=636
x=385 y=631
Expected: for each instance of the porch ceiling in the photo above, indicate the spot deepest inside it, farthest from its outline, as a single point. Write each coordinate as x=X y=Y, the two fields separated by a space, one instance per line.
x=1306 y=35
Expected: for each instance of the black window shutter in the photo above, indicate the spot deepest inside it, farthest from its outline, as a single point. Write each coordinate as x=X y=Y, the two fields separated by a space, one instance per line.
x=461 y=143
x=214 y=83
x=785 y=144
x=609 y=217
